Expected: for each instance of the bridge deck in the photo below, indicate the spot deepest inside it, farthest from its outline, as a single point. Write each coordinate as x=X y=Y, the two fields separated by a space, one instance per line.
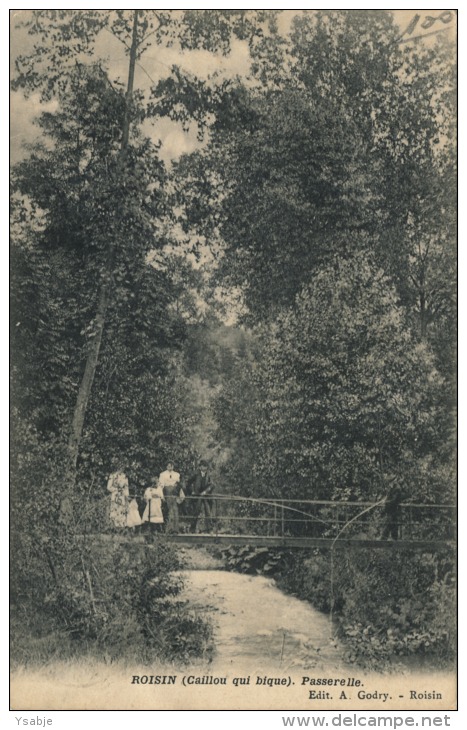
x=284 y=541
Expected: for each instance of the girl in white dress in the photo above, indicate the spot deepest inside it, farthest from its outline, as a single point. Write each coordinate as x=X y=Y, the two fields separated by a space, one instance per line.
x=153 y=510
x=133 y=518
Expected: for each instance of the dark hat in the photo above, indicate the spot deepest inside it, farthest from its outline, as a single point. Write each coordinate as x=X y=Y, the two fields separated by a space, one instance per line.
x=203 y=463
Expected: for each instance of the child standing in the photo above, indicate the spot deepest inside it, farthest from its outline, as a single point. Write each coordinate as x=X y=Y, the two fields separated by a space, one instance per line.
x=153 y=510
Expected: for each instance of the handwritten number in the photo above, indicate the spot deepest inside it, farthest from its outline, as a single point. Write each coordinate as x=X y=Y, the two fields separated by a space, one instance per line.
x=411 y=26
x=445 y=17
x=428 y=22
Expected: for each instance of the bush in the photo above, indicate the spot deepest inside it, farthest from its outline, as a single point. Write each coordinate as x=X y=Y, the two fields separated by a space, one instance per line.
x=247 y=559
x=74 y=594
x=104 y=598
x=385 y=605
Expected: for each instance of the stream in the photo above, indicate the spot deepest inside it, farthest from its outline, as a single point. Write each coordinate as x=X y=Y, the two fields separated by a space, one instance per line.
x=256 y=626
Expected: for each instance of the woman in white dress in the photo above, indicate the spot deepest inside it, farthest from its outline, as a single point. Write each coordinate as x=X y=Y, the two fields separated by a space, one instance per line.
x=119 y=498
x=153 y=510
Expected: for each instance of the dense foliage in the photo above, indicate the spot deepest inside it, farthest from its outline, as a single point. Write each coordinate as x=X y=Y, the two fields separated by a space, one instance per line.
x=347 y=390
x=412 y=613
x=337 y=209
x=104 y=600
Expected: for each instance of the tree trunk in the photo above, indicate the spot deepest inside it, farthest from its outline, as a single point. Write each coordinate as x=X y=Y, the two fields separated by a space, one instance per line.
x=131 y=78
x=88 y=376
x=423 y=315
x=85 y=387
x=422 y=301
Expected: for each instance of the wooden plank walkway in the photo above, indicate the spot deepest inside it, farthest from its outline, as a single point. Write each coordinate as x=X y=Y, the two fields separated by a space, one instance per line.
x=282 y=542
x=306 y=542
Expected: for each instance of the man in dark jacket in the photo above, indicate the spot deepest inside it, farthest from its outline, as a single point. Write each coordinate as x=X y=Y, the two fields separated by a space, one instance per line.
x=392 y=512
x=199 y=488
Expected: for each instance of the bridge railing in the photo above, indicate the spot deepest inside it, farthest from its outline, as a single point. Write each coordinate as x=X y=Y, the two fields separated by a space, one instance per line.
x=230 y=514
x=274 y=517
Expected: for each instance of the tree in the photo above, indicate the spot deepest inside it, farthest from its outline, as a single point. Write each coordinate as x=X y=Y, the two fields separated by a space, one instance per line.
x=237 y=411
x=101 y=182
x=339 y=152
x=343 y=394
x=98 y=209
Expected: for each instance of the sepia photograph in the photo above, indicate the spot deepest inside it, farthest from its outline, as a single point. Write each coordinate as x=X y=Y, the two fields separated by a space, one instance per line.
x=233 y=368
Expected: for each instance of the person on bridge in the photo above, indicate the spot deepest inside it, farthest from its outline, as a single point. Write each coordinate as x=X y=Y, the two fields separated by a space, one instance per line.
x=392 y=512
x=118 y=487
x=169 y=481
x=133 y=518
x=153 y=511
x=200 y=487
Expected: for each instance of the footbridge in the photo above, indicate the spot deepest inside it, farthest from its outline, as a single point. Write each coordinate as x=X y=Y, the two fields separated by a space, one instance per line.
x=224 y=520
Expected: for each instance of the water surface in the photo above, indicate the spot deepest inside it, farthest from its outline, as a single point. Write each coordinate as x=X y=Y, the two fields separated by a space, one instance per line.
x=259 y=628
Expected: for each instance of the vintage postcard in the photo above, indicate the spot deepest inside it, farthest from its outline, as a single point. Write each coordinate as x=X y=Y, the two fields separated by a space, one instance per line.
x=233 y=337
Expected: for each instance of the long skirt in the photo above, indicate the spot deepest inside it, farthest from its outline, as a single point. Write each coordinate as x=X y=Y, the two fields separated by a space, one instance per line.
x=153 y=511
x=133 y=519
x=118 y=509
x=172 y=522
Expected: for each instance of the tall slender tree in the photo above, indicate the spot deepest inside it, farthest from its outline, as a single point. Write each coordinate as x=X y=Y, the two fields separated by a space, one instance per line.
x=63 y=65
